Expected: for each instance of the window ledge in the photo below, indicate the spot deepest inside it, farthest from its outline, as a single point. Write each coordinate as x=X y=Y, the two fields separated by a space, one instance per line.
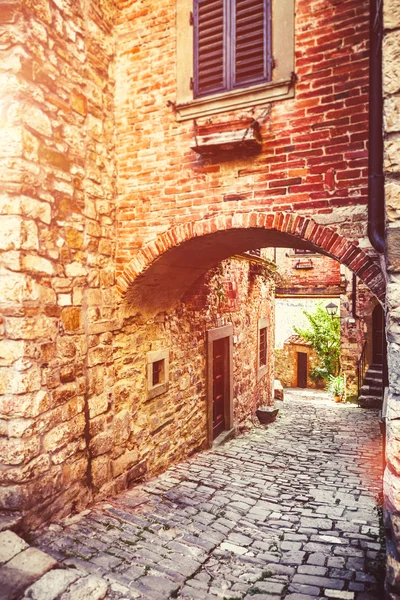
x=237 y=99
x=261 y=371
x=157 y=390
x=246 y=140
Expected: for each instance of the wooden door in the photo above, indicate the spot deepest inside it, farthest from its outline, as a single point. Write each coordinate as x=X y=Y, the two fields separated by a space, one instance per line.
x=220 y=381
x=301 y=369
x=377 y=335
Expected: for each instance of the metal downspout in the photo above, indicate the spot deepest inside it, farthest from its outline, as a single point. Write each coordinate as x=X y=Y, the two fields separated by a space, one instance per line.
x=376 y=209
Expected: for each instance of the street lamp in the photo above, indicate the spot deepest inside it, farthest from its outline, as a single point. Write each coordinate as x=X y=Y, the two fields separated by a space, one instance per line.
x=331 y=309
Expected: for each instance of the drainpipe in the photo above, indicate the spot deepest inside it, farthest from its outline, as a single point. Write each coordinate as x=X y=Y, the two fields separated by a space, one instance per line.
x=376 y=208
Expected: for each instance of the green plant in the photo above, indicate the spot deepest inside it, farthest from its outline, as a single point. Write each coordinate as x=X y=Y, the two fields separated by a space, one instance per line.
x=324 y=334
x=335 y=385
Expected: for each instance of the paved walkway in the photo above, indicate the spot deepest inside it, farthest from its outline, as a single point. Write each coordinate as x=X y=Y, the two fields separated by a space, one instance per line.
x=288 y=511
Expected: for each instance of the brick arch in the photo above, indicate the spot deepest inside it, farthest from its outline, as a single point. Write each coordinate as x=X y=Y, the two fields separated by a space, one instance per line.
x=163 y=269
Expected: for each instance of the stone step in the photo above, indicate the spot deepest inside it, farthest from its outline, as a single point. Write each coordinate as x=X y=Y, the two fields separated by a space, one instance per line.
x=27 y=572
x=376 y=370
x=377 y=386
x=371 y=390
x=370 y=401
x=373 y=376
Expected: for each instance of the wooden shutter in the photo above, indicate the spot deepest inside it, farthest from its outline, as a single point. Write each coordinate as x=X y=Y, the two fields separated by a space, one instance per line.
x=231 y=44
x=209 y=38
x=251 y=33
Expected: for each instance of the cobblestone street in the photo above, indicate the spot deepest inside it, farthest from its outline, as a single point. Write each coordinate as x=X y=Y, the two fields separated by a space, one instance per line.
x=288 y=511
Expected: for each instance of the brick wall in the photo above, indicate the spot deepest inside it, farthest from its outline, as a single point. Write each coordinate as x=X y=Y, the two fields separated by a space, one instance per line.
x=309 y=274
x=314 y=154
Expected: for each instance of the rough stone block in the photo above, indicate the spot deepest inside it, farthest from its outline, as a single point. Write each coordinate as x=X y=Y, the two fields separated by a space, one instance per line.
x=101 y=472
x=64 y=433
x=102 y=443
x=392 y=114
x=14 y=451
x=391 y=63
x=10 y=233
x=13 y=381
x=10 y=350
x=22 y=570
x=392 y=199
x=74 y=238
x=391 y=14
x=124 y=462
x=52 y=584
x=30 y=328
x=79 y=103
x=122 y=426
x=100 y=355
x=54 y=159
x=18 y=287
x=98 y=405
x=392 y=154
x=10 y=545
x=391 y=488
x=38 y=264
x=90 y=587
x=71 y=318
x=37 y=120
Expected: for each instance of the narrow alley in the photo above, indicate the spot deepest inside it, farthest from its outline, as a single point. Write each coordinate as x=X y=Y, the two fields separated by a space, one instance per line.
x=287 y=511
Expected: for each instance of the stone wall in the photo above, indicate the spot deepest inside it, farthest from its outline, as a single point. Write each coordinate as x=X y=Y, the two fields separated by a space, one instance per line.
x=84 y=87
x=391 y=90
x=172 y=426
x=57 y=222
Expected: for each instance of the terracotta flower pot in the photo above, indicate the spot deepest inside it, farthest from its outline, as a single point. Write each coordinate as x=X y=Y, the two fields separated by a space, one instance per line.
x=337 y=398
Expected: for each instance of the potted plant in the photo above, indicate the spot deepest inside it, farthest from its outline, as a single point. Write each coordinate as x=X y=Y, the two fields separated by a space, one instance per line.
x=336 y=387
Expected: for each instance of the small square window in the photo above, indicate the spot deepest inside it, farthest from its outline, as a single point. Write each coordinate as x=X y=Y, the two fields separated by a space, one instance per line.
x=157 y=373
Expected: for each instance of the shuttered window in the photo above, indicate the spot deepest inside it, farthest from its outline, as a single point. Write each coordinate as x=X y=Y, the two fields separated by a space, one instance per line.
x=231 y=44
x=262 y=350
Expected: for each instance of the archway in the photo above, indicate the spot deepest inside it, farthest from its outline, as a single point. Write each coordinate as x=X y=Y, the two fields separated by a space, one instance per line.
x=159 y=274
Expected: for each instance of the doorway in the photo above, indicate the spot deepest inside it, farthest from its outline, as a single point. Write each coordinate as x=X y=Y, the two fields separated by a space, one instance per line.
x=219 y=386
x=220 y=380
x=301 y=369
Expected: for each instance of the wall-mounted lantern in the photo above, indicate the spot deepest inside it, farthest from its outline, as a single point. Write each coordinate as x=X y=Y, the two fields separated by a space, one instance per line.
x=331 y=309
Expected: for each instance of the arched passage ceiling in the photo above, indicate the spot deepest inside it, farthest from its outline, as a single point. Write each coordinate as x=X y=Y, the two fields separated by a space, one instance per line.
x=159 y=275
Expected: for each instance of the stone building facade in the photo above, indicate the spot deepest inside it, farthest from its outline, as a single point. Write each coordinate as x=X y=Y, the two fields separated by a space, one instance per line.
x=81 y=415
x=309 y=279
x=115 y=202
x=391 y=94
x=287 y=364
